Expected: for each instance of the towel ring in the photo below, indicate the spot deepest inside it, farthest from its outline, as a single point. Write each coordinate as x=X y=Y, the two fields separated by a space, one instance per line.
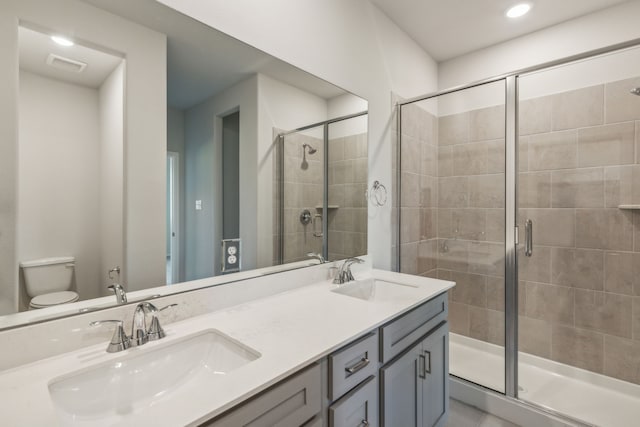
x=378 y=194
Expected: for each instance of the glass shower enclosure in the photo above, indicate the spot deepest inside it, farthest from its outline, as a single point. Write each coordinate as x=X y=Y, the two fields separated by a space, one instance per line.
x=525 y=191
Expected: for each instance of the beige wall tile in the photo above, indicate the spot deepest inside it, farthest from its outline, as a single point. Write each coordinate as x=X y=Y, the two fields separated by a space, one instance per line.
x=470 y=289
x=636 y=231
x=453 y=192
x=355 y=195
x=445 y=161
x=453 y=129
x=579 y=268
x=470 y=159
x=428 y=191
x=336 y=194
x=486 y=325
x=409 y=225
x=577 y=347
x=486 y=123
x=622 y=359
x=606 y=145
x=549 y=302
x=428 y=222
x=429 y=160
x=622 y=273
x=427 y=255
x=637 y=142
x=534 y=190
x=578 y=108
x=465 y=224
x=583 y=188
x=523 y=154
x=495 y=225
x=620 y=105
x=453 y=254
x=486 y=258
x=495 y=293
x=635 y=321
x=336 y=149
x=409 y=258
x=411 y=122
x=535 y=115
x=536 y=268
x=410 y=190
x=604 y=229
x=551 y=227
x=603 y=312
x=534 y=336
x=495 y=156
x=410 y=154
x=549 y=151
x=618 y=185
x=459 y=318
x=487 y=191
x=361 y=171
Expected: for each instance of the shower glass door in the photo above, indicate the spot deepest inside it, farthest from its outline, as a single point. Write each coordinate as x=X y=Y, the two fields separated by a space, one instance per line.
x=579 y=186
x=452 y=217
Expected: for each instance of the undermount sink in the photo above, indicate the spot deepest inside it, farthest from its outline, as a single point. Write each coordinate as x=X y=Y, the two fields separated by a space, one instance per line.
x=111 y=393
x=372 y=289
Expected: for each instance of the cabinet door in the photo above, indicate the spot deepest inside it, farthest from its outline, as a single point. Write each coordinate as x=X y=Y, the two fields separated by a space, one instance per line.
x=434 y=366
x=401 y=391
x=358 y=408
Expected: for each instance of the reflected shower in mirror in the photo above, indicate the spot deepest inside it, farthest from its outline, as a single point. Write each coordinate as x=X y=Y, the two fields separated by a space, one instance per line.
x=148 y=155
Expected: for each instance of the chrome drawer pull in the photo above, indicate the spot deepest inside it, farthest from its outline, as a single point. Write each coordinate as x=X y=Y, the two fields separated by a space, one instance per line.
x=355 y=368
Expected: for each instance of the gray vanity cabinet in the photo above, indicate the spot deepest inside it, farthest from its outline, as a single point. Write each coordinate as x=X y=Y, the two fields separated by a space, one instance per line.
x=414 y=387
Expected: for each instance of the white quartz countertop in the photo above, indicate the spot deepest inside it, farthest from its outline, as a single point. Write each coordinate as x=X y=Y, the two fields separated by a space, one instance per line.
x=290 y=330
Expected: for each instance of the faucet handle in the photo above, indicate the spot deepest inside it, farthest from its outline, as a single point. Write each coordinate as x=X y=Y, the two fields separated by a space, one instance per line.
x=120 y=340
x=155 y=331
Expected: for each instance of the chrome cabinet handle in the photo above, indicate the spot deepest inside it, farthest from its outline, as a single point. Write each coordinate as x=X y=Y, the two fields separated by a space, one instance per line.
x=427 y=365
x=358 y=366
x=528 y=238
x=421 y=366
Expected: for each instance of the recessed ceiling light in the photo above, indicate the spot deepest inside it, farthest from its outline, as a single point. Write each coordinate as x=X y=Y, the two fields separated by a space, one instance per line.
x=518 y=10
x=62 y=41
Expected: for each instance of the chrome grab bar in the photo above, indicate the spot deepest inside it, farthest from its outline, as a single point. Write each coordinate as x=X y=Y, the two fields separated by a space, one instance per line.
x=528 y=238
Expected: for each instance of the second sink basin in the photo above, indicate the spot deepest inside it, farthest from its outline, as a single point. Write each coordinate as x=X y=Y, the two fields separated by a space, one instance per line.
x=372 y=289
x=113 y=392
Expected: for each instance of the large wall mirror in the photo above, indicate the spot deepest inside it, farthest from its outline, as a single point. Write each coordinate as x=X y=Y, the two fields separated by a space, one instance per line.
x=141 y=147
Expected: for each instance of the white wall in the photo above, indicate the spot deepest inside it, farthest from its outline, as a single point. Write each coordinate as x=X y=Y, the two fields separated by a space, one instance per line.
x=58 y=175
x=145 y=118
x=344 y=105
x=349 y=43
x=111 y=227
x=203 y=177
x=593 y=31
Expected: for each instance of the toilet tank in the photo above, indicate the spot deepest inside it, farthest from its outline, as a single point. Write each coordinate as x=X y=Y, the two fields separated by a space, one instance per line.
x=47 y=275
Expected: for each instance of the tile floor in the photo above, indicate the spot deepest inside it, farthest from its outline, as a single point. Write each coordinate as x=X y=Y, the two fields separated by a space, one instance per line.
x=462 y=415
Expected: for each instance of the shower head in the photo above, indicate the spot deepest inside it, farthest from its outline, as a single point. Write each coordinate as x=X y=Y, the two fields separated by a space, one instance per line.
x=635 y=91
x=311 y=149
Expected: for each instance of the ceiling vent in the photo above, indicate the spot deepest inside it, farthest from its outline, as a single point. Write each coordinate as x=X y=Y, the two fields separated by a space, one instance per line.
x=66 y=64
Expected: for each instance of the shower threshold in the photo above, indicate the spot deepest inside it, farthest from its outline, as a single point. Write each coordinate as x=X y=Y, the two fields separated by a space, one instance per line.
x=579 y=394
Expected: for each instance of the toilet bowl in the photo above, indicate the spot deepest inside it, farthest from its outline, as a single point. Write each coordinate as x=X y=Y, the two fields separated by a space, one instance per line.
x=48 y=281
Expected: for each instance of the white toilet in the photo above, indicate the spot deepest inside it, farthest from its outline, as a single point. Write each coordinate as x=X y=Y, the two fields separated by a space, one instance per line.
x=48 y=281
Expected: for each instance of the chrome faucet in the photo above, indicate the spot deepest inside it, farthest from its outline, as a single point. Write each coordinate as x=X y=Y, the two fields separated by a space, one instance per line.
x=344 y=274
x=121 y=294
x=317 y=256
x=140 y=334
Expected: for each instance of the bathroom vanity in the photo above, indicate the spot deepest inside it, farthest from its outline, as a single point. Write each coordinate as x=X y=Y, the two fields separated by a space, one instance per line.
x=370 y=352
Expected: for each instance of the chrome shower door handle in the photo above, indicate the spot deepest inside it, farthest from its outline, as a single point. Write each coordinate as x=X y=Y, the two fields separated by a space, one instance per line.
x=528 y=238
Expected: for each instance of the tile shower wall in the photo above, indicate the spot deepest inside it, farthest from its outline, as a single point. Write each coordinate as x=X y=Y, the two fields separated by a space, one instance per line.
x=347 y=202
x=579 y=160
x=581 y=288
x=303 y=185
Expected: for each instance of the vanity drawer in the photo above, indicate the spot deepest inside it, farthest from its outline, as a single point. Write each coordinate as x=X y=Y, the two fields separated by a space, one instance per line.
x=357 y=408
x=289 y=403
x=396 y=336
x=350 y=365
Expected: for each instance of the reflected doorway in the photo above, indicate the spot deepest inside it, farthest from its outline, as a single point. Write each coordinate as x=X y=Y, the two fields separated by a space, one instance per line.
x=173 y=214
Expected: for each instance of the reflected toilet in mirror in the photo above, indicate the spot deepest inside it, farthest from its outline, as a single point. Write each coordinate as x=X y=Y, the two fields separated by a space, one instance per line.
x=49 y=281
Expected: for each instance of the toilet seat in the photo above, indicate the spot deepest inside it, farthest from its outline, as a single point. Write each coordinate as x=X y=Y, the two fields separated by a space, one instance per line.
x=54 y=298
